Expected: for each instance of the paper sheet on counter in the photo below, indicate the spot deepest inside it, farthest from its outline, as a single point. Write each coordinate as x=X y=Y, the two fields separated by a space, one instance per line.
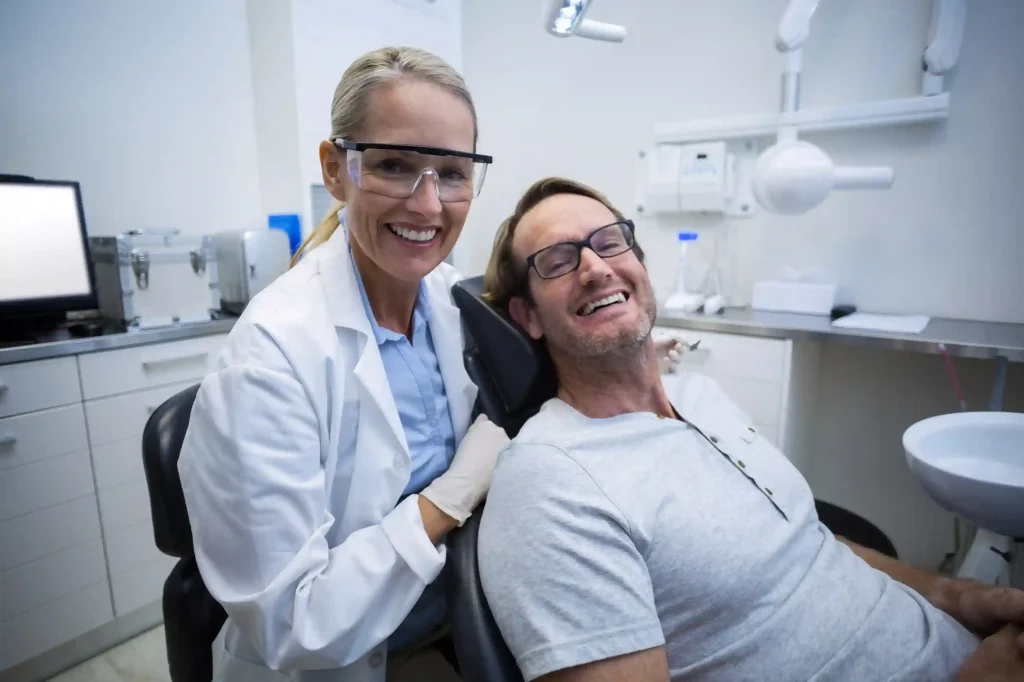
x=897 y=324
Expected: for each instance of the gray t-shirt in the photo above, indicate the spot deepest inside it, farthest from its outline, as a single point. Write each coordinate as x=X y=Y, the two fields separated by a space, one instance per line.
x=603 y=537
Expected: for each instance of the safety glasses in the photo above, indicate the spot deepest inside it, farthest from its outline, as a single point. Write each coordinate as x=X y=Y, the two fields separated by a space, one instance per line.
x=564 y=257
x=396 y=170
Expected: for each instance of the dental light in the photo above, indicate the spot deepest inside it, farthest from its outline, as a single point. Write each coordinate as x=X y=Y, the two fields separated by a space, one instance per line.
x=794 y=176
x=564 y=18
x=713 y=165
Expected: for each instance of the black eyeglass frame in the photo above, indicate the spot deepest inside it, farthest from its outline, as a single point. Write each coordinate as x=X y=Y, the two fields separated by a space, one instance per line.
x=432 y=151
x=582 y=244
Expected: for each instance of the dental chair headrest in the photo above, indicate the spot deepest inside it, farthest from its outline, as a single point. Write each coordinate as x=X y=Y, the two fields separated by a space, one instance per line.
x=518 y=367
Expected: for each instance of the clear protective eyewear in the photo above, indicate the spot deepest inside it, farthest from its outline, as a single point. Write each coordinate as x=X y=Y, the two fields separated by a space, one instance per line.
x=564 y=257
x=396 y=170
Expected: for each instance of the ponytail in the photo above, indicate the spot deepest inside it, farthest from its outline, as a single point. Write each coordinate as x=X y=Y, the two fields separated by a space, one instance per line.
x=322 y=232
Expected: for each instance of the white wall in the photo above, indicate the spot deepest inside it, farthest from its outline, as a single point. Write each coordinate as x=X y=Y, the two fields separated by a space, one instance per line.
x=330 y=34
x=272 y=54
x=946 y=240
x=148 y=105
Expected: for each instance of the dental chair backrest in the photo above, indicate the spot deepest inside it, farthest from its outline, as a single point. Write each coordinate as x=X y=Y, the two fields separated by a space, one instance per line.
x=513 y=372
x=515 y=377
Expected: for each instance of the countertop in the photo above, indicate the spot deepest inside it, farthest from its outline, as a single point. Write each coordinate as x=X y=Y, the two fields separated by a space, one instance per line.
x=962 y=338
x=62 y=343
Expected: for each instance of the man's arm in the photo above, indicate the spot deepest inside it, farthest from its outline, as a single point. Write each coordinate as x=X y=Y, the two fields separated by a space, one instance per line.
x=566 y=584
x=642 y=666
x=980 y=607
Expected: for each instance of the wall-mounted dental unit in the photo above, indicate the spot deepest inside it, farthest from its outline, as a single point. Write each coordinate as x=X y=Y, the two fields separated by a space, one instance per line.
x=713 y=166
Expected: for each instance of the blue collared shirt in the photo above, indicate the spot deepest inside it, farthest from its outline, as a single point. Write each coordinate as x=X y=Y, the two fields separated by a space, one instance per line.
x=416 y=383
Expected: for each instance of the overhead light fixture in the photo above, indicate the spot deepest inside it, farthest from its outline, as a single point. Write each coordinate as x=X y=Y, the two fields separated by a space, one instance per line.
x=564 y=19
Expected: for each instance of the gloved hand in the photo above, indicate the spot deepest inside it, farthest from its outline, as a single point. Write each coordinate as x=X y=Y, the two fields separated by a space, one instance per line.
x=459 y=490
x=670 y=349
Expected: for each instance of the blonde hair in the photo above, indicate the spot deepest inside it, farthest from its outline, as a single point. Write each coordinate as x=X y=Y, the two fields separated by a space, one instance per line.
x=352 y=96
x=505 y=277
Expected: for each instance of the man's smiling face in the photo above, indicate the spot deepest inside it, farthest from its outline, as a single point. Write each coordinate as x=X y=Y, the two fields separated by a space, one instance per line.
x=604 y=307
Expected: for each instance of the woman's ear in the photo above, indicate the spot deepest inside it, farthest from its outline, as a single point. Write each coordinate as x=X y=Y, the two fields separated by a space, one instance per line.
x=335 y=174
x=524 y=314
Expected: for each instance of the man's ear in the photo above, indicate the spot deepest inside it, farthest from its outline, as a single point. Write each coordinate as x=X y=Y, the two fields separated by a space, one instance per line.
x=332 y=167
x=525 y=315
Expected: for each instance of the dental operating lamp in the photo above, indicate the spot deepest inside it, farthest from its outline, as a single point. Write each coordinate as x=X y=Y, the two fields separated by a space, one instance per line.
x=564 y=18
x=793 y=176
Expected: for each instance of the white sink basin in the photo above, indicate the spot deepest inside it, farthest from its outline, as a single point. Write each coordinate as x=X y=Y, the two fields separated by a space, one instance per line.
x=972 y=463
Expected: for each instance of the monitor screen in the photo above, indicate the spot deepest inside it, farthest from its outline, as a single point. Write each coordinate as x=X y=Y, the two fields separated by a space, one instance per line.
x=44 y=256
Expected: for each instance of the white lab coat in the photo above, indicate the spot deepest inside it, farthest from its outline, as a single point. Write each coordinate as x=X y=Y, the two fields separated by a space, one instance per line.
x=292 y=466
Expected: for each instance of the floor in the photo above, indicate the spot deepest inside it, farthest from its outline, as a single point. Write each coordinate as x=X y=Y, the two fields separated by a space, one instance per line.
x=143 y=659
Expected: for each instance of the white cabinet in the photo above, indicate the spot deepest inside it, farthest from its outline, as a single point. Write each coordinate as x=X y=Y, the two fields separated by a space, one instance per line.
x=31 y=386
x=34 y=632
x=131 y=369
x=122 y=389
x=76 y=535
x=771 y=380
x=36 y=436
x=38 y=485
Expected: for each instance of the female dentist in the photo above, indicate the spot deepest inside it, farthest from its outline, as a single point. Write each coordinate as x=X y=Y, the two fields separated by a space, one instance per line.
x=330 y=449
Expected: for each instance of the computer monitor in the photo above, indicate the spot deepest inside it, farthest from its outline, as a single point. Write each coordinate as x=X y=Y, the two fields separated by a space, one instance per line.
x=44 y=251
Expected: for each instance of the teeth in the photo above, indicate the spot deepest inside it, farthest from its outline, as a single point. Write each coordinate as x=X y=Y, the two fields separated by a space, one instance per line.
x=607 y=300
x=413 y=235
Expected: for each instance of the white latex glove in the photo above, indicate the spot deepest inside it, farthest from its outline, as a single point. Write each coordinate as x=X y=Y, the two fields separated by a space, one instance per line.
x=459 y=490
x=670 y=349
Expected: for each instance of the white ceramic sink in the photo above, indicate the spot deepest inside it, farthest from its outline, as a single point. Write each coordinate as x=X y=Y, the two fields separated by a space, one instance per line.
x=972 y=463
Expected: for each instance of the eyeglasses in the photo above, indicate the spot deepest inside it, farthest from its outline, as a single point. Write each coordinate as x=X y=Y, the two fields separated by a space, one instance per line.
x=562 y=258
x=396 y=170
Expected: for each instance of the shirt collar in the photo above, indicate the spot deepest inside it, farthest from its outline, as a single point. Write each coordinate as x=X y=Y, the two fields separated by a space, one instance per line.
x=421 y=311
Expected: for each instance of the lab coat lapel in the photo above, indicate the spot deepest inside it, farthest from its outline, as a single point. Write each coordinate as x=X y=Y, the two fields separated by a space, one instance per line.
x=447 y=333
x=345 y=306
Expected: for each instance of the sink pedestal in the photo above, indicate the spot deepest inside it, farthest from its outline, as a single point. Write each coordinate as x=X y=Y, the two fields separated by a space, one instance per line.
x=990 y=559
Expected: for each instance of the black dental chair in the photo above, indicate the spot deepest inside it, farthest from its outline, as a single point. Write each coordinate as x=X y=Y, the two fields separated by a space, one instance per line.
x=515 y=376
x=192 y=618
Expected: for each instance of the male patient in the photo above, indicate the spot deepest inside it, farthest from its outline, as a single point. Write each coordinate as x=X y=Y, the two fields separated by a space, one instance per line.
x=641 y=530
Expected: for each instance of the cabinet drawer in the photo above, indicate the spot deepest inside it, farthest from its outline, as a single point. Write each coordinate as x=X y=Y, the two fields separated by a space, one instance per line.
x=125 y=416
x=130 y=547
x=38 y=485
x=32 y=536
x=31 y=386
x=38 y=435
x=130 y=369
x=141 y=585
x=746 y=357
x=40 y=582
x=60 y=621
x=760 y=400
x=118 y=462
x=124 y=505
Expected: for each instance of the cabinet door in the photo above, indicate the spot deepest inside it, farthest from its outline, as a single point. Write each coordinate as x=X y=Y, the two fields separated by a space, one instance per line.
x=32 y=536
x=37 y=583
x=33 y=437
x=38 y=485
x=39 y=630
x=30 y=386
x=131 y=369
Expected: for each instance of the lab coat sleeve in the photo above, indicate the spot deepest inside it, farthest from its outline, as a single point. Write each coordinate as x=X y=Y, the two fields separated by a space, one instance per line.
x=254 y=483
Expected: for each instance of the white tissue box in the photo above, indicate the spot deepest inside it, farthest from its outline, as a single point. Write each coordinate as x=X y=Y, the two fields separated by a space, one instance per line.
x=811 y=298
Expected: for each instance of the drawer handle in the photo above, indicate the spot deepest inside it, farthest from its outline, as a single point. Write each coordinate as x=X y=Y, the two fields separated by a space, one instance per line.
x=7 y=439
x=3 y=387
x=157 y=361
